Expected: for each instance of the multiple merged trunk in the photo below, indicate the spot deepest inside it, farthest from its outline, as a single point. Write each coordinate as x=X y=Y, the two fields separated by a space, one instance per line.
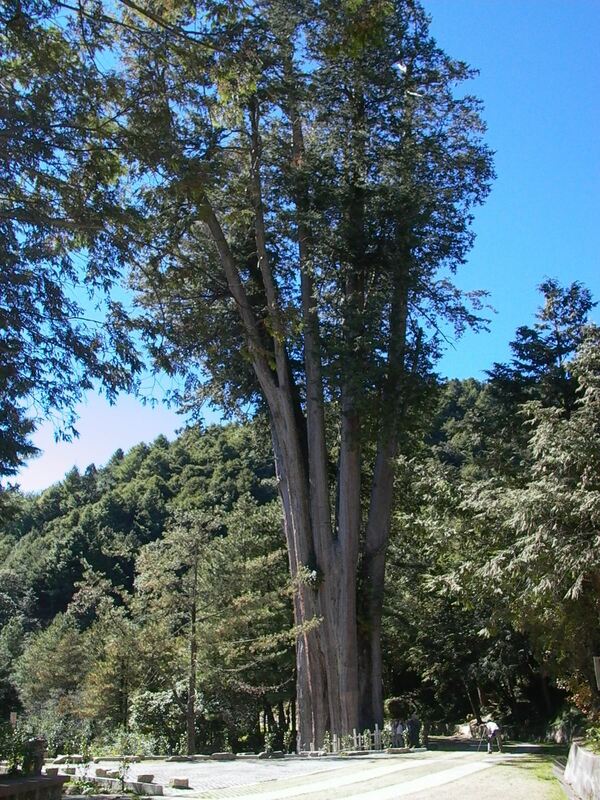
x=337 y=560
x=339 y=576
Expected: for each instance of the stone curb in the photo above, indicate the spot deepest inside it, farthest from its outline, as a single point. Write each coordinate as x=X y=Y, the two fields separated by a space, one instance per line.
x=129 y=759
x=137 y=787
x=582 y=772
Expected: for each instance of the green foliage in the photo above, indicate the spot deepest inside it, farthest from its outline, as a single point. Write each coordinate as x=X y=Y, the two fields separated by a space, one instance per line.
x=119 y=741
x=540 y=367
x=52 y=665
x=60 y=187
x=83 y=786
x=546 y=532
x=159 y=716
x=252 y=637
x=115 y=654
x=424 y=168
x=11 y=643
x=592 y=738
x=13 y=740
x=115 y=668
x=495 y=549
x=61 y=727
x=99 y=520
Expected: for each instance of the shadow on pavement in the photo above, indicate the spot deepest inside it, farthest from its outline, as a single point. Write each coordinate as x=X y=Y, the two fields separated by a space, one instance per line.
x=459 y=743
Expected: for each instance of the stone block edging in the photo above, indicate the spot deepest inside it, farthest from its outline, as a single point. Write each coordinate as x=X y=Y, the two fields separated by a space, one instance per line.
x=128 y=759
x=583 y=772
x=137 y=787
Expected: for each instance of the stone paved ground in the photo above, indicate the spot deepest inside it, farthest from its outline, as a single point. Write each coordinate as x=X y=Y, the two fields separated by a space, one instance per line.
x=207 y=775
x=419 y=776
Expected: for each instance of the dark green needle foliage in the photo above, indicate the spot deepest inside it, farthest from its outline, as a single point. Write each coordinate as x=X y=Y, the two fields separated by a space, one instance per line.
x=59 y=204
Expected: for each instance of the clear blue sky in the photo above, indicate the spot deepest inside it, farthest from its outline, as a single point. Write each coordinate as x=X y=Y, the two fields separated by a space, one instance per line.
x=539 y=63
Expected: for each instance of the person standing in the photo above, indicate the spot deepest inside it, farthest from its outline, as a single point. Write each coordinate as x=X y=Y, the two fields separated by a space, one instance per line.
x=397 y=733
x=414 y=727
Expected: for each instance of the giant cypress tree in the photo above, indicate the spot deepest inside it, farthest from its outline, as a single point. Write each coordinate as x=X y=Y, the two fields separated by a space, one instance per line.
x=303 y=174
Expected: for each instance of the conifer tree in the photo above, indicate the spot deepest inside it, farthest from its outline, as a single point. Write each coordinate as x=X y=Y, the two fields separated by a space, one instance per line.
x=543 y=352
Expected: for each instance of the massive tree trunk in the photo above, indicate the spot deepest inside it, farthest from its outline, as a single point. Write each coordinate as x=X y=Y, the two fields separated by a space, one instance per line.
x=324 y=563
x=323 y=558
x=324 y=571
x=336 y=553
x=372 y=577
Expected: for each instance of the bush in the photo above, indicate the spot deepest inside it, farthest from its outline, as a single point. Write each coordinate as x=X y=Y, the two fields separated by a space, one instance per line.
x=592 y=738
x=63 y=732
x=13 y=742
x=118 y=741
x=83 y=786
x=158 y=716
x=570 y=723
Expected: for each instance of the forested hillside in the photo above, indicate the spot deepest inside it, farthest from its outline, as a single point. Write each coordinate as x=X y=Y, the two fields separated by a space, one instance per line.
x=108 y=577
x=150 y=598
x=497 y=534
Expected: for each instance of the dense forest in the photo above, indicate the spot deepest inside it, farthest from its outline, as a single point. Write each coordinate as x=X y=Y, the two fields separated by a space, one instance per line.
x=148 y=604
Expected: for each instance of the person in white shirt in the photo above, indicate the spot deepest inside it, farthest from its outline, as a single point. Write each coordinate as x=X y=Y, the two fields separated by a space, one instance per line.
x=492 y=731
x=398 y=733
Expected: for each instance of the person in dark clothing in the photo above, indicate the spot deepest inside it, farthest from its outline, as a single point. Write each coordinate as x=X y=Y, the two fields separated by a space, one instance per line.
x=414 y=728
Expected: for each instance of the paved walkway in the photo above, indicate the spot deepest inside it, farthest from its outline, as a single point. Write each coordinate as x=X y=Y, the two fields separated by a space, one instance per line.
x=418 y=776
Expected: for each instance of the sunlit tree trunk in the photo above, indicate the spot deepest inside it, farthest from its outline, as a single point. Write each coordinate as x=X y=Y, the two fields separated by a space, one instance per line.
x=193 y=658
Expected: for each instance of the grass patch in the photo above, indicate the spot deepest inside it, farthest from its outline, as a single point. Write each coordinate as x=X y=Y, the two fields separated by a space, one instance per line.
x=539 y=767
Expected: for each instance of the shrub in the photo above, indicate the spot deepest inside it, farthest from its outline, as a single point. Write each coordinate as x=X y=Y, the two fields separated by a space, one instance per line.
x=63 y=732
x=592 y=738
x=12 y=745
x=158 y=716
x=83 y=786
x=119 y=741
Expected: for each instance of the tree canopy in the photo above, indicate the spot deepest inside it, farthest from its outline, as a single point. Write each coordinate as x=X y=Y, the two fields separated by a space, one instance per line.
x=59 y=334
